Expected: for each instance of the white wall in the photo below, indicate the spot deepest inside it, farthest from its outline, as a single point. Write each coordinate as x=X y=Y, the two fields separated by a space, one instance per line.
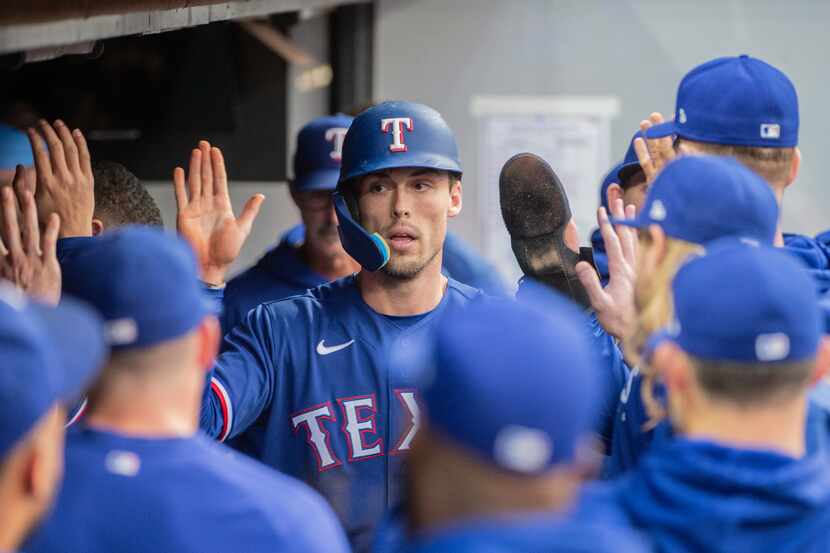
x=442 y=52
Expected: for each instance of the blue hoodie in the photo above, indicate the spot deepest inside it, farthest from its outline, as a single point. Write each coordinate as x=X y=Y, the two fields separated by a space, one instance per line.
x=815 y=252
x=630 y=441
x=690 y=495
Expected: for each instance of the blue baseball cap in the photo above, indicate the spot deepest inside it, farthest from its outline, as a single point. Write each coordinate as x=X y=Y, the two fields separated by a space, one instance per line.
x=701 y=198
x=514 y=381
x=746 y=304
x=630 y=164
x=398 y=134
x=47 y=355
x=739 y=101
x=319 y=152
x=145 y=284
x=14 y=148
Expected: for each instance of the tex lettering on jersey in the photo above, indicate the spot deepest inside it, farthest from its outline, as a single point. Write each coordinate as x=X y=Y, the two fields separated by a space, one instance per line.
x=315 y=377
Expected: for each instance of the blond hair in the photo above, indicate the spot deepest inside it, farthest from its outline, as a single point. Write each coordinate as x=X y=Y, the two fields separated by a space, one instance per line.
x=655 y=310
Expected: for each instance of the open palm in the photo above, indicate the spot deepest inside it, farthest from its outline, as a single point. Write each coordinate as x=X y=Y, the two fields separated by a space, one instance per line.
x=205 y=215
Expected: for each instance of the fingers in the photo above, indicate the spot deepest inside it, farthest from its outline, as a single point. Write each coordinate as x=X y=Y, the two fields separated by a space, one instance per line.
x=644 y=157
x=178 y=187
x=590 y=281
x=624 y=233
x=194 y=175
x=49 y=245
x=30 y=230
x=612 y=241
x=57 y=156
x=42 y=165
x=10 y=229
x=220 y=175
x=249 y=212
x=207 y=170
x=70 y=149
x=84 y=159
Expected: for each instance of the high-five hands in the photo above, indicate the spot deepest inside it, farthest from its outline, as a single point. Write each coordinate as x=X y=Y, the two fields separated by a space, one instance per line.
x=205 y=216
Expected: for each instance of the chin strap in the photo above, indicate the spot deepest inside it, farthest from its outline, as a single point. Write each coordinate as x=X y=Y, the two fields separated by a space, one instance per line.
x=370 y=250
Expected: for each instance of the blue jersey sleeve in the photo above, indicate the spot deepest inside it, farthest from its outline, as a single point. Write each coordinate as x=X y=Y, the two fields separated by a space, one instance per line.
x=615 y=373
x=242 y=382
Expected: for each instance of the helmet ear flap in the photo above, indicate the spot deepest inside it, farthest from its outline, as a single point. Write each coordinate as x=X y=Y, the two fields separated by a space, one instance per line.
x=370 y=250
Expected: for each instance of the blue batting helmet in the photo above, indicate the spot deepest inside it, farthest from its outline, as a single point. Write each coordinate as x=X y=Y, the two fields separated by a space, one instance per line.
x=389 y=135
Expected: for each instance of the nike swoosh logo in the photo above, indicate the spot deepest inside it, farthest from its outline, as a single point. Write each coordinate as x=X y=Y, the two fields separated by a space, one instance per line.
x=323 y=349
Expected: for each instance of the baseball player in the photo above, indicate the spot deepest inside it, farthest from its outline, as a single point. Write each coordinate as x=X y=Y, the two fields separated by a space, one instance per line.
x=315 y=368
x=737 y=362
x=139 y=476
x=310 y=254
x=503 y=450
x=755 y=119
x=47 y=356
x=121 y=199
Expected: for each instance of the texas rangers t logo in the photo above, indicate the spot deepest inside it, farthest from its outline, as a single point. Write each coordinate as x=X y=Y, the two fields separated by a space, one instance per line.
x=397 y=125
x=336 y=135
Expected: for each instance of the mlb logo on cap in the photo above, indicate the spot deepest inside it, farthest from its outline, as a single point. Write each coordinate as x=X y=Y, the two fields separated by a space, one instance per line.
x=770 y=130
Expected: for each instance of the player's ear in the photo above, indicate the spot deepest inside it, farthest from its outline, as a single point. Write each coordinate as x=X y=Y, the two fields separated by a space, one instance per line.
x=455 y=197
x=794 y=166
x=672 y=364
x=822 y=369
x=97 y=227
x=658 y=241
x=614 y=192
x=210 y=333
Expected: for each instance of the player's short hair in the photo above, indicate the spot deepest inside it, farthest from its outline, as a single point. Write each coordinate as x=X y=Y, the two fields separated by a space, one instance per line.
x=772 y=164
x=752 y=383
x=121 y=199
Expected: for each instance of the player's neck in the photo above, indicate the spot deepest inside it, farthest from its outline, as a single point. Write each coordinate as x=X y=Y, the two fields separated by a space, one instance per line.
x=403 y=297
x=444 y=497
x=330 y=267
x=778 y=426
x=146 y=407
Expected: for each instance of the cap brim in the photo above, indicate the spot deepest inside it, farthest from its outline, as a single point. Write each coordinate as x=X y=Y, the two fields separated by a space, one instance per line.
x=662 y=130
x=322 y=179
x=77 y=335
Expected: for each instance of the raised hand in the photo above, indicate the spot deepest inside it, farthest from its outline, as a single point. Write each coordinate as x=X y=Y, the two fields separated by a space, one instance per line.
x=614 y=304
x=205 y=216
x=27 y=258
x=64 y=181
x=653 y=153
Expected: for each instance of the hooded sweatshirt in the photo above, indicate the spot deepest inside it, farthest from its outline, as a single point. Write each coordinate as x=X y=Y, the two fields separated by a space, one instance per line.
x=691 y=495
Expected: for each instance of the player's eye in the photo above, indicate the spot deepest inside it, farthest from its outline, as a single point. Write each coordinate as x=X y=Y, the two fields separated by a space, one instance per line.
x=377 y=187
x=422 y=185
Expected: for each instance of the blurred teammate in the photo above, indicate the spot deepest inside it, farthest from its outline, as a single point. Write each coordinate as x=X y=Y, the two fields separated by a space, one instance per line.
x=47 y=356
x=139 y=477
x=504 y=444
x=737 y=361
x=315 y=368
